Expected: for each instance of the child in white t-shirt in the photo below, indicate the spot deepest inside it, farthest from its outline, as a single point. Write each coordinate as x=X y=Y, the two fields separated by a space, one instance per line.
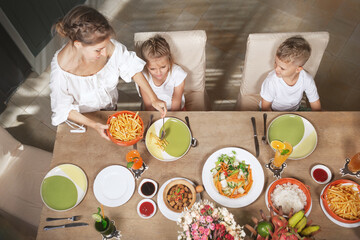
x=164 y=76
x=283 y=88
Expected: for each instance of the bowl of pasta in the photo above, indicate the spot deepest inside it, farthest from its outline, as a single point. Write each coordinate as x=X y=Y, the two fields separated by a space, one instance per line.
x=341 y=200
x=125 y=128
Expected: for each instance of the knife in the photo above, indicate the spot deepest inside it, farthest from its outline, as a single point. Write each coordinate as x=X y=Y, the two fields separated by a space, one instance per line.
x=255 y=137
x=66 y=225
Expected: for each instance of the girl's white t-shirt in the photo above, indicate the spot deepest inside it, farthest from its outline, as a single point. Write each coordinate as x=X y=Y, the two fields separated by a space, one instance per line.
x=165 y=92
x=288 y=98
x=91 y=93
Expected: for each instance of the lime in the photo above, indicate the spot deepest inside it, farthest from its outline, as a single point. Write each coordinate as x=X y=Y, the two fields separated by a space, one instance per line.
x=263 y=228
x=97 y=217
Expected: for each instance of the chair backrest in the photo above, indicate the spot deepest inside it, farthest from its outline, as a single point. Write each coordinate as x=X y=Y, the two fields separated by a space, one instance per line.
x=260 y=58
x=188 y=51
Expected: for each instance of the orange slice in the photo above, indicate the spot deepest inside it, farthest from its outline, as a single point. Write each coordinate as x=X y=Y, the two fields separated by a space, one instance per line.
x=277 y=145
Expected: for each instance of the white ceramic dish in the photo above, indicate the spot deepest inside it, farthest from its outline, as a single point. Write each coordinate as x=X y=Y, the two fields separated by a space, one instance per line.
x=171 y=215
x=72 y=172
x=257 y=173
x=152 y=203
x=341 y=224
x=323 y=167
x=144 y=181
x=114 y=186
x=267 y=202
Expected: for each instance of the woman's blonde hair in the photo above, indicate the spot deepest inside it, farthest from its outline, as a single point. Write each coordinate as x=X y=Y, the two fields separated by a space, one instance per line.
x=295 y=50
x=156 y=47
x=84 y=24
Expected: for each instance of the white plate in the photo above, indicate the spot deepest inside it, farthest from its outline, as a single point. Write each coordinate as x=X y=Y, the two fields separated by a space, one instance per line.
x=114 y=186
x=171 y=215
x=267 y=202
x=152 y=203
x=257 y=174
x=173 y=139
x=76 y=175
x=341 y=224
x=282 y=128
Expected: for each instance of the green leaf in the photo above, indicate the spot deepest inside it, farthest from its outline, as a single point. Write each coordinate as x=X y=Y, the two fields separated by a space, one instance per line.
x=129 y=164
x=285 y=151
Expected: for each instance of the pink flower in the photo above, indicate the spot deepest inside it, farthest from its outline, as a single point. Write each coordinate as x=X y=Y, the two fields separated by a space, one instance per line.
x=203 y=211
x=188 y=233
x=194 y=226
x=212 y=227
x=204 y=237
x=207 y=231
x=201 y=229
x=209 y=219
x=202 y=219
x=196 y=238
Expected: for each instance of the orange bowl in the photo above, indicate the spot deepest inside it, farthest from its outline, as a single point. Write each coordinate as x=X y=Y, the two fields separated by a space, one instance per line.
x=120 y=142
x=294 y=181
x=326 y=205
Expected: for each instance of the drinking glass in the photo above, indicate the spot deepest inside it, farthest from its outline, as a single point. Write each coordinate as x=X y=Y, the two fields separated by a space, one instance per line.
x=134 y=159
x=281 y=156
x=354 y=164
x=108 y=231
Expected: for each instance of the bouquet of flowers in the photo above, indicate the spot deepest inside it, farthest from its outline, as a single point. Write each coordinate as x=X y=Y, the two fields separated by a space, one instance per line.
x=204 y=222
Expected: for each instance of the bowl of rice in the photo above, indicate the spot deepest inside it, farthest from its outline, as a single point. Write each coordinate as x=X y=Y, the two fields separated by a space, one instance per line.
x=289 y=193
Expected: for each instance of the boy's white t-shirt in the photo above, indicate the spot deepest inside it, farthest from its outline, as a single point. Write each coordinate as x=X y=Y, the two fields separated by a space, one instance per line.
x=165 y=92
x=288 y=98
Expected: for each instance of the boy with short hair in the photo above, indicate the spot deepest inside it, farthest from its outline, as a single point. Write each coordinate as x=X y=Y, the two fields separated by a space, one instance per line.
x=283 y=88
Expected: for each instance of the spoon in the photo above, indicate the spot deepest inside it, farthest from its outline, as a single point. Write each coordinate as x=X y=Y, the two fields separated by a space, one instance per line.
x=193 y=140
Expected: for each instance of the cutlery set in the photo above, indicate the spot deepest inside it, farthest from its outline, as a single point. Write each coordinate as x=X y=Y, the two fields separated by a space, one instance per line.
x=256 y=141
x=73 y=219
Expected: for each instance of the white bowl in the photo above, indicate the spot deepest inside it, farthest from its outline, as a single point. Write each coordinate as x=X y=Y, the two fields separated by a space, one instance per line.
x=146 y=200
x=323 y=167
x=144 y=181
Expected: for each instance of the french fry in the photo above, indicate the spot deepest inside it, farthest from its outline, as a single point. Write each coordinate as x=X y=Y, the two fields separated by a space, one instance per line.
x=344 y=201
x=125 y=127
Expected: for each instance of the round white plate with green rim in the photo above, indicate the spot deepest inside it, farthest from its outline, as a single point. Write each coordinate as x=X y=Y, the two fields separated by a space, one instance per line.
x=63 y=187
x=296 y=130
x=177 y=134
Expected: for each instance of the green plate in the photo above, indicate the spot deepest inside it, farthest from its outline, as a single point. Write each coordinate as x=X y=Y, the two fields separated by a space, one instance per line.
x=63 y=187
x=296 y=130
x=177 y=135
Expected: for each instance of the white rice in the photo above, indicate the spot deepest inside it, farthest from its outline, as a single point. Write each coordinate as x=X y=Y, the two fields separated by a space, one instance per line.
x=288 y=196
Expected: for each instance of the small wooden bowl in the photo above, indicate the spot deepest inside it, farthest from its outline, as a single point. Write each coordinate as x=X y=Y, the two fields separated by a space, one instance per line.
x=177 y=182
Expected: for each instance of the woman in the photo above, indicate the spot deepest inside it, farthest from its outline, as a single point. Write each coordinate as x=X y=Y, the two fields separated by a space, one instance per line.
x=85 y=72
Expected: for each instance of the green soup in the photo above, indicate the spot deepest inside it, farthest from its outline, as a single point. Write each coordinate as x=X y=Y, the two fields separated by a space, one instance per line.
x=59 y=192
x=288 y=128
x=178 y=137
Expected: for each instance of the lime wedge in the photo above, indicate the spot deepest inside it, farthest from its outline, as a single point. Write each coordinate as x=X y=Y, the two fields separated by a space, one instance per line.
x=97 y=217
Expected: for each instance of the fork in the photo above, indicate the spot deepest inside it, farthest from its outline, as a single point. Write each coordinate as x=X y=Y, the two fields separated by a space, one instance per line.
x=163 y=130
x=73 y=218
x=264 y=137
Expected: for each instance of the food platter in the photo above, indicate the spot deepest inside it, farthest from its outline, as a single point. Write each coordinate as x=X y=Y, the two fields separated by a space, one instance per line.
x=257 y=172
x=63 y=187
x=296 y=130
x=114 y=186
x=177 y=135
x=171 y=215
x=326 y=209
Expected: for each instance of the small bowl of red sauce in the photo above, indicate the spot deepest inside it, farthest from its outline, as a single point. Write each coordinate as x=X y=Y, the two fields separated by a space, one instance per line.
x=146 y=208
x=321 y=174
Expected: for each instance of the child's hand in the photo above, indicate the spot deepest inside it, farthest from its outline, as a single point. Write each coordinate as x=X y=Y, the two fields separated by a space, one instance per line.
x=160 y=106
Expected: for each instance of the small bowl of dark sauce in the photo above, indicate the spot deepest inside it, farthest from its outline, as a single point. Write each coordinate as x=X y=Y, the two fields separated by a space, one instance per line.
x=147 y=188
x=321 y=174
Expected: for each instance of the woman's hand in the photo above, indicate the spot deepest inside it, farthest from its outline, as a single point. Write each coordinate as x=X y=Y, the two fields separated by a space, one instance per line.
x=100 y=128
x=160 y=106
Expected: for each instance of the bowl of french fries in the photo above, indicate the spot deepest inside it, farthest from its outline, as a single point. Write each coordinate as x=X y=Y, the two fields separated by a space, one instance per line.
x=341 y=200
x=125 y=128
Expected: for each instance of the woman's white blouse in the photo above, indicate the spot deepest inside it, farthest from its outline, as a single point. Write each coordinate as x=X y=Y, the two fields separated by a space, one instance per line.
x=91 y=93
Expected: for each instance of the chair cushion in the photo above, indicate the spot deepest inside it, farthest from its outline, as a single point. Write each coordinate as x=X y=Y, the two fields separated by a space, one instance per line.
x=21 y=174
x=260 y=57
x=197 y=101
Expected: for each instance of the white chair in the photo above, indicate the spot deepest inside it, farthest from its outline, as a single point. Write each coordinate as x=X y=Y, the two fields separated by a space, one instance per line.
x=260 y=58
x=22 y=169
x=188 y=51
